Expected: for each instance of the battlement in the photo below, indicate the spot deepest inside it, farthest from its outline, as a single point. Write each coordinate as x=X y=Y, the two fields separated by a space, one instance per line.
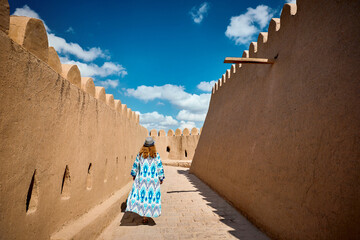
x=178 y=132
x=176 y=145
x=30 y=33
x=266 y=46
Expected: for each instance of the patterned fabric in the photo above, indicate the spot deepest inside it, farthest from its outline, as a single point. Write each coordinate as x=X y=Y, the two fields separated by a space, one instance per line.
x=145 y=196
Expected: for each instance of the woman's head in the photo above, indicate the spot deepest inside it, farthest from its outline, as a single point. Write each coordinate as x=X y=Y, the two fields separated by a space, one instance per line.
x=149 y=148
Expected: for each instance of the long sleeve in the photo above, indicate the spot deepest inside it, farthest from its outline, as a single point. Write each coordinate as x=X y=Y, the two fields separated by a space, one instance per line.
x=135 y=168
x=160 y=168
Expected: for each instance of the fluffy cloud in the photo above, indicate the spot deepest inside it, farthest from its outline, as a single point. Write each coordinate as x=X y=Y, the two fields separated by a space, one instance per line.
x=28 y=12
x=193 y=107
x=63 y=47
x=92 y=70
x=155 y=120
x=185 y=115
x=290 y=1
x=60 y=44
x=175 y=95
x=108 y=83
x=242 y=28
x=206 y=86
x=198 y=14
x=188 y=125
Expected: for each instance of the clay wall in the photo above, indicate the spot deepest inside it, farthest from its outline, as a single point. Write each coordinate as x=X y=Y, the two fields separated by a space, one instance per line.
x=65 y=145
x=281 y=142
x=178 y=145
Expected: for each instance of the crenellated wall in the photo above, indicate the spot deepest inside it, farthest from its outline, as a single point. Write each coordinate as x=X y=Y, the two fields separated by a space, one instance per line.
x=281 y=142
x=66 y=145
x=178 y=145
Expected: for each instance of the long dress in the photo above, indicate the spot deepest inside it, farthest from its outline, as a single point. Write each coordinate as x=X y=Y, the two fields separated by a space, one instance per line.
x=145 y=196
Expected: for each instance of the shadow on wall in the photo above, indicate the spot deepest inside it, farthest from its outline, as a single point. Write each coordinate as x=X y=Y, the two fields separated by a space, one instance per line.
x=242 y=228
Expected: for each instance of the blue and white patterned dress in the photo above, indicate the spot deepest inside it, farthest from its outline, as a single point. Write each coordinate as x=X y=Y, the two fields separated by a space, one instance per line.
x=145 y=196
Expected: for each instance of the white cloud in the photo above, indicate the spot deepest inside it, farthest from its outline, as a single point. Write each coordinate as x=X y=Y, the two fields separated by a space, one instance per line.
x=198 y=14
x=185 y=115
x=188 y=125
x=28 y=12
x=108 y=83
x=70 y=30
x=206 y=86
x=243 y=27
x=192 y=107
x=290 y=1
x=60 y=44
x=63 y=47
x=175 y=95
x=155 y=120
x=91 y=69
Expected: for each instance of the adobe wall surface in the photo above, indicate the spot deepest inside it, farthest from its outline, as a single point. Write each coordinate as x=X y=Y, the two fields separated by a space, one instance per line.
x=178 y=145
x=63 y=150
x=282 y=142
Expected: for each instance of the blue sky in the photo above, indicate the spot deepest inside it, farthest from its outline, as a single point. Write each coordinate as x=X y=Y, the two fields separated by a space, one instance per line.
x=158 y=57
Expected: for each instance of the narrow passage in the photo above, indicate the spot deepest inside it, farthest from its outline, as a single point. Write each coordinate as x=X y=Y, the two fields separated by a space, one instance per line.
x=190 y=210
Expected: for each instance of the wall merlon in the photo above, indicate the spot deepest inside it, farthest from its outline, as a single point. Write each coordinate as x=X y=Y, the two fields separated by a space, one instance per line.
x=71 y=72
x=228 y=74
x=288 y=10
x=223 y=79
x=31 y=34
x=194 y=131
x=87 y=85
x=262 y=38
x=274 y=27
x=100 y=94
x=245 y=54
x=54 y=60
x=4 y=16
x=186 y=132
x=171 y=132
x=162 y=133
x=124 y=109
x=110 y=101
x=153 y=133
x=133 y=117
x=232 y=69
x=128 y=113
x=137 y=118
x=252 y=49
x=178 y=132
x=117 y=103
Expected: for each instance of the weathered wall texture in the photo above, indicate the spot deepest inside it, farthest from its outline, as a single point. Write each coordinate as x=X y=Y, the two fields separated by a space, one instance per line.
x=62 y=151
x=180 y=145
x=282 y=141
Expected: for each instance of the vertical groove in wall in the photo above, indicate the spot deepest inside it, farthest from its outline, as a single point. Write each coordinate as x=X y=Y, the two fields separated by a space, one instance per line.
x=32 y=195
x=106 y=171
x=65 y=186
x=89 y=177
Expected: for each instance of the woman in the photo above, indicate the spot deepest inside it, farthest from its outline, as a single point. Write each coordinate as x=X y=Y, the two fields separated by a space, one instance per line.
x=148 y=173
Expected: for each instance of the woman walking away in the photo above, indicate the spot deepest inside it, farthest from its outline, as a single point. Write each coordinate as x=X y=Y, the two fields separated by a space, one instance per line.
x=148 y=173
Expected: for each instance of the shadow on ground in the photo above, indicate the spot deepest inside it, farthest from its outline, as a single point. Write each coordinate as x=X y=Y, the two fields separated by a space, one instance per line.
x=243 y=229
x=133 y=219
